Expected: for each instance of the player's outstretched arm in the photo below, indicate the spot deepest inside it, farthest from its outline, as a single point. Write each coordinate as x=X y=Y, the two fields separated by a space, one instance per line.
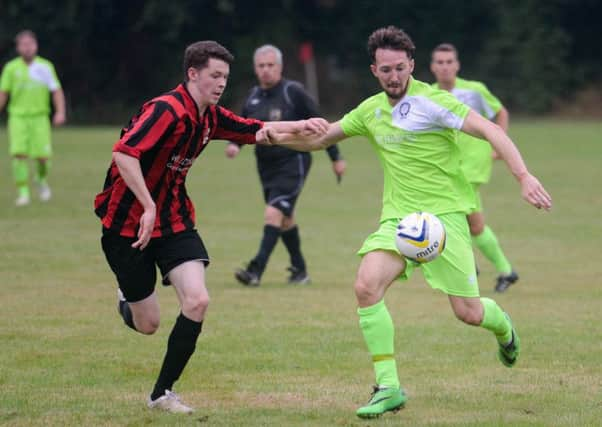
x=307 y=141
x=130 y=171
x=314 y=127
x=532 y=190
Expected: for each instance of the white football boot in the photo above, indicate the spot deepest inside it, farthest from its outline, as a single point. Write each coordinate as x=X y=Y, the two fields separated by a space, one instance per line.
x=170 y=402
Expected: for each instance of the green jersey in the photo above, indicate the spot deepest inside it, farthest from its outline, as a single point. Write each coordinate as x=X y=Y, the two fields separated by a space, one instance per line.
x=417 y=146
x=476 y=153
x=29 y=86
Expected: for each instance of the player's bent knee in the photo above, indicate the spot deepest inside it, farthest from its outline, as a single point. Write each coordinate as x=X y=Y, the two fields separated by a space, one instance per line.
x=365 y=293
x=288 y=222
x=470 y=317
x=476 y=223
x=476 y=229
x=273 y=216
x=195 y=304
x=147 y=326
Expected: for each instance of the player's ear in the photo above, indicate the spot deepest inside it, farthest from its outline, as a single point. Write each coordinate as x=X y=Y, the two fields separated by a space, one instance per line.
x=373 y=69
x=192 y=73
x=411 y=65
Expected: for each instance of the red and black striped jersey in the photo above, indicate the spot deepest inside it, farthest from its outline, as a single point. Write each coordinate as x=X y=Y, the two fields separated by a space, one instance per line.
x=166 y=135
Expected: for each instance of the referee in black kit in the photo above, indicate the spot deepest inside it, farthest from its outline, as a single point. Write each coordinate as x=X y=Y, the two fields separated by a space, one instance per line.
x=282 y=171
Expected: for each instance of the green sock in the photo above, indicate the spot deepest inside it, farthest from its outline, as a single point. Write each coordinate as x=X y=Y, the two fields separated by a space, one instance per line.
x=495 y=321
x=42 y=171
x=490 y=247
x=377 y=326
x=21 y=175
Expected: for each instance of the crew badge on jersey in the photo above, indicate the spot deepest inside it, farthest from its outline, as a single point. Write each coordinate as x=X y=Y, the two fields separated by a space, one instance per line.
x=275 y=114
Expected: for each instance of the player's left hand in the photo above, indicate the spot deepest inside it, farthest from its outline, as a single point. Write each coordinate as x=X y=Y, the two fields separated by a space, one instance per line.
x=59 y=119
x=267 y=136
x=315 y=126
x=534 y=193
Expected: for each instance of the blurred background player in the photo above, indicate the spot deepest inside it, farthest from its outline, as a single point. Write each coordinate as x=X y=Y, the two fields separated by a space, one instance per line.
x=412 y=127
x=27 y=82
x=477 y=154
x=282 y=171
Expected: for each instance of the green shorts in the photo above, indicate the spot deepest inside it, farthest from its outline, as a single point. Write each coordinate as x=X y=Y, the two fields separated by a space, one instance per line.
x=29 y=136
x=453 y=272
x=476 y=201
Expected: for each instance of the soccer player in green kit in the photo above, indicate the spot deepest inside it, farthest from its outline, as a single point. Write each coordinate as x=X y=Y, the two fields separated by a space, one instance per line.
x=477 y=154
x=412 y=127
x=27 y=82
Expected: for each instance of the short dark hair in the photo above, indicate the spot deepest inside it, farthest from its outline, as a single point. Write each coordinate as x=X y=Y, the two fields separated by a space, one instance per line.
x=197 y=55
x=25 y=33
x=445 y=47
x=392 y=38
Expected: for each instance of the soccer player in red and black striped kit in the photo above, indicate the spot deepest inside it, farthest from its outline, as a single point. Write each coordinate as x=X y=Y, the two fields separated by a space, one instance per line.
x=146 y=214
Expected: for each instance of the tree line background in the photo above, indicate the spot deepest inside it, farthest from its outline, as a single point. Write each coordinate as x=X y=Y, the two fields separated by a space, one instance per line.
x=538 y=56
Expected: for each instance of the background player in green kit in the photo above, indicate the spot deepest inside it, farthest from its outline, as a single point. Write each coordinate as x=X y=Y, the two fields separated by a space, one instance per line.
x=477 y=154
x=27 y=82
x=412 y=127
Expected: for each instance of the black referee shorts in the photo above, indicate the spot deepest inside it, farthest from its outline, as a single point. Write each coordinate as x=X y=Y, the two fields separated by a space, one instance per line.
x=136 y=270
x=283 y=180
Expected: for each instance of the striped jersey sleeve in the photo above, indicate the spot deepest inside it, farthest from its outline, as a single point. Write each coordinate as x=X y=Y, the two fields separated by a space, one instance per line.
x=235 y=128
x=146 y=129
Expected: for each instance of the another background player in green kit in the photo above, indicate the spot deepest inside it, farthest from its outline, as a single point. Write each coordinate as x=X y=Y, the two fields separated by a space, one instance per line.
x=27 y=82
x=412 y=127
x=477 y=154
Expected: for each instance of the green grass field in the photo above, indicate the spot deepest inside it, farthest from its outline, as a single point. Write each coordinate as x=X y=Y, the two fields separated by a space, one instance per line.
x=291 y=356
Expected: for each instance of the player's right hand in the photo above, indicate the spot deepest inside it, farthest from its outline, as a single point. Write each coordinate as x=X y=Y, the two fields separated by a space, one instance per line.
x=534 y=193
x=147 y=224
x=232 y=150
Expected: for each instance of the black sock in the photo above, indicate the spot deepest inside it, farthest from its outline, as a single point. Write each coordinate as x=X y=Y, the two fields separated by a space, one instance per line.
x=292 y=241
x=268 y=242
x=126 y=314
x=180 y=346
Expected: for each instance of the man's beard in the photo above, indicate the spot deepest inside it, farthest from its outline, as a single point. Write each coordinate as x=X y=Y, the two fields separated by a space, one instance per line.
x=395 y=96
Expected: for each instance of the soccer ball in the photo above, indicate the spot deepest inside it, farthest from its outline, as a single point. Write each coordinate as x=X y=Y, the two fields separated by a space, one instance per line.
x=420 y=236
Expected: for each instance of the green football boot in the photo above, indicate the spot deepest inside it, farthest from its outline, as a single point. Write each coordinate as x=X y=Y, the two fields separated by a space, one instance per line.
x=383 y=399
x=508 y=354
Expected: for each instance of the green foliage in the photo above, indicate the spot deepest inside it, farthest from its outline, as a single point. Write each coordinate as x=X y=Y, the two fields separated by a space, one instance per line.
x=525 y=60
x=112 y=55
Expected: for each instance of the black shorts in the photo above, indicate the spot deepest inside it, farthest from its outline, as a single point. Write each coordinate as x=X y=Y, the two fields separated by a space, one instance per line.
x=283 y=180
x=135 y=269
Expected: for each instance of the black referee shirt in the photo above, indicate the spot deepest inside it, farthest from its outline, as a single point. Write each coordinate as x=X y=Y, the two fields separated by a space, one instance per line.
x=286 y=101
